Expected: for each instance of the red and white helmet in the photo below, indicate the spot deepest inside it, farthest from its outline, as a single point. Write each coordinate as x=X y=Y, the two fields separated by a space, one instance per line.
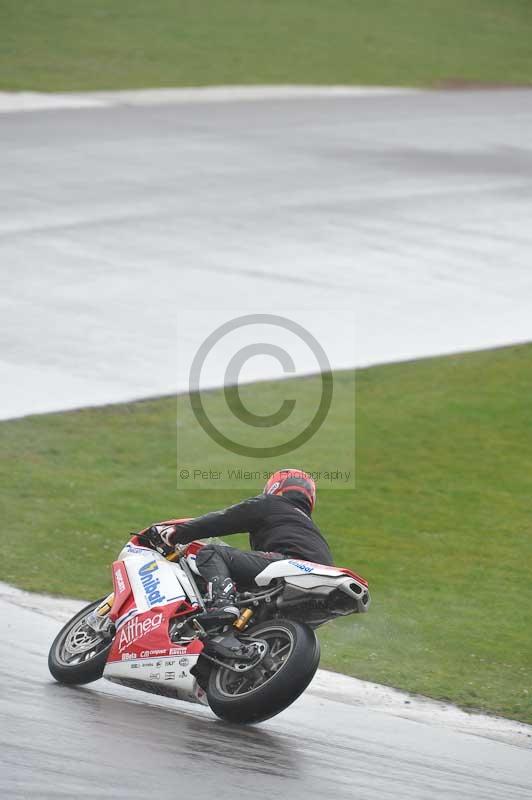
x=292 y=480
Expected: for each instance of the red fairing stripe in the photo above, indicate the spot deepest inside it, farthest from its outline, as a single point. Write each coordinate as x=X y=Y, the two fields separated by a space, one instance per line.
x=146 y=636
x=358 y=578
x=122 y=589
x=194 y=547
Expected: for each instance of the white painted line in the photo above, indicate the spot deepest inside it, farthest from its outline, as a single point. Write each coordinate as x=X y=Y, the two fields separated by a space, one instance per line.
x=42 y=101
x=39 y=101
x=418 y=708
x=231 y=94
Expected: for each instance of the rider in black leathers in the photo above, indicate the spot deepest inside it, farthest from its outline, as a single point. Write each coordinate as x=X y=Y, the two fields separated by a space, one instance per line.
x=279 y=525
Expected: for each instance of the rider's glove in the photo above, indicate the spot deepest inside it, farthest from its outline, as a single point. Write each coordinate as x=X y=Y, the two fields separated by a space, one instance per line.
x=161 y=538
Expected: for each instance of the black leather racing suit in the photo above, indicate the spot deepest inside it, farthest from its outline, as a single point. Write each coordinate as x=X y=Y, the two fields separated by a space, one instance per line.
x=278 y=526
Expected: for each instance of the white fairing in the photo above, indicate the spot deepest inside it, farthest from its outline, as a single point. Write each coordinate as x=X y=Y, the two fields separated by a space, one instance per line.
x=315 y=579
x=292 y=566
x=155 y=582
x=168 y=676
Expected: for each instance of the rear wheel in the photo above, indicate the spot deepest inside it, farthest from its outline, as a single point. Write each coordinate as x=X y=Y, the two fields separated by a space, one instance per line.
x=79 y=653
x=281 y=676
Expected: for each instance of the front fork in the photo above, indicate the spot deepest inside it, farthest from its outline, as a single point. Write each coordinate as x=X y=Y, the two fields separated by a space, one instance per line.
x=106 y=605
x=98 y=619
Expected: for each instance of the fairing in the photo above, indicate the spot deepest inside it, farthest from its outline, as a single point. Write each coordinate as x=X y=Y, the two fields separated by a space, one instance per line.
x=292 y=566
x=312 y=579
x=149 y=592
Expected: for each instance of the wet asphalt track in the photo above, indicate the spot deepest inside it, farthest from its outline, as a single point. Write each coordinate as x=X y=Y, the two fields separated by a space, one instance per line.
x=413 y=210
x=102 y=741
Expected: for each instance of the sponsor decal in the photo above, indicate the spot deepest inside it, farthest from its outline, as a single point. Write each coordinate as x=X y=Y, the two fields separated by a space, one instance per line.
x=132 y=549
x=120 y=580
x=135 y=629
x=170 y=663
x=169 y=676
x=183 y=662
x=151 y=582
x=128 y=656
x=135 y=666
x=183 y=674
x=302 y=567
x=177 y=651
x=148 y=653
x=155 y=675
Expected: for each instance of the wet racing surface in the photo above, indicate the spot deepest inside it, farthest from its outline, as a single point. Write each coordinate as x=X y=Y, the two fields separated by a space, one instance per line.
x=102 y=741
x=412 y=211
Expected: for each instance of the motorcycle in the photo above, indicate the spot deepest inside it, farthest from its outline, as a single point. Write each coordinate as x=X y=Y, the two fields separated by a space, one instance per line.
x=155 y=633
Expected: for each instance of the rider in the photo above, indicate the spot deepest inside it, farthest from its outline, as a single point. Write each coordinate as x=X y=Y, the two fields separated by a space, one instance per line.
x=279 y=525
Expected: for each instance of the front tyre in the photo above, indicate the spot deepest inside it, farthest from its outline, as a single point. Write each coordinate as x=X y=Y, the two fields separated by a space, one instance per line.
x=285 y=672
x=78 y=653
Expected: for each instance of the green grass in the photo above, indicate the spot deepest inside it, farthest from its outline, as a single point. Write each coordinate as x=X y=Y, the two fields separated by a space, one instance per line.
x=440 y=522
x=74 y=45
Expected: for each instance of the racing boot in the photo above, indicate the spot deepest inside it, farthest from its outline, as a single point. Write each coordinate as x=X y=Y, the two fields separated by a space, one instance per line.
x=221 y=599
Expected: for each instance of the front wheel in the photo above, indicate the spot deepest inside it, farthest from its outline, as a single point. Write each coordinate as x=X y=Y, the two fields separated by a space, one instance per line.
x=281 y=676
x=78 y=653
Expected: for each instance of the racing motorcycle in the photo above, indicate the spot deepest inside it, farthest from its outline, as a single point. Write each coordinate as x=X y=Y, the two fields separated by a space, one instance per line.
x=155 y=633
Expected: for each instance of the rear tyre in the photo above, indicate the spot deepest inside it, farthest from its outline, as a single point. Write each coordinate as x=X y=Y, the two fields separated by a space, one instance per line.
x=78 y=653
x=278 y=680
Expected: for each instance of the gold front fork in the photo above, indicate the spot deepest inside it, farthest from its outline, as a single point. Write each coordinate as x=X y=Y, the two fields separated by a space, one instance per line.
x=106 y=605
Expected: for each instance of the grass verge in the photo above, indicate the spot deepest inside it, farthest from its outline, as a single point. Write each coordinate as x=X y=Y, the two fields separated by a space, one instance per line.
x=57 y=45
x=440 y=522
